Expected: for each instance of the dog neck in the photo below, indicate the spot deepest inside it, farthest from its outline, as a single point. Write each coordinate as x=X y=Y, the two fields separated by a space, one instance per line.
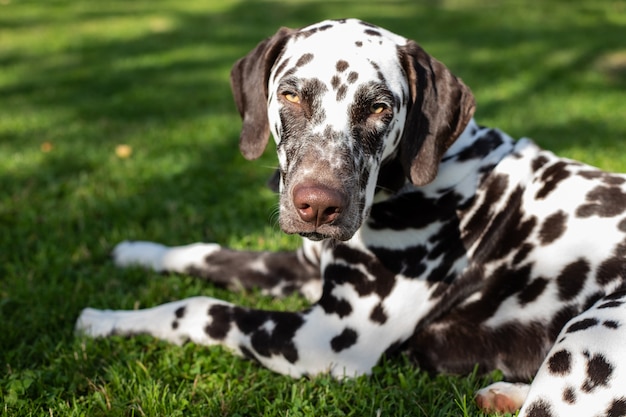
x=476 y=151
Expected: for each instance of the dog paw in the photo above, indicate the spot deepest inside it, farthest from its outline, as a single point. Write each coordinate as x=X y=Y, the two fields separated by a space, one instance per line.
x=95 y=323
x=147 y=254
x=502 y=397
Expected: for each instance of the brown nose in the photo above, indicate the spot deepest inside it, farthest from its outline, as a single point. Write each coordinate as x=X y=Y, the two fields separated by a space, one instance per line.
x=318 y=204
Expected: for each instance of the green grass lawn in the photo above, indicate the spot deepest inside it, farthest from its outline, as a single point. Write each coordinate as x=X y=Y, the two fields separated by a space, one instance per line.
x=78 y=78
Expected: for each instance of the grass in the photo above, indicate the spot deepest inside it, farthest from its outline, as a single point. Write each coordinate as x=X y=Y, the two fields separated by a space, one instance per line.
x=79 y=78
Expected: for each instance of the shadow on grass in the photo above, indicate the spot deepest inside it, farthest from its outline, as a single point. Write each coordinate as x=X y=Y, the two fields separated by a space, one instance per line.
x=101 y=91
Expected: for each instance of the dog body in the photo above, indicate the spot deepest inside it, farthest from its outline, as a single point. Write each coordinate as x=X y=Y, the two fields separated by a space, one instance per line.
x=424 y=233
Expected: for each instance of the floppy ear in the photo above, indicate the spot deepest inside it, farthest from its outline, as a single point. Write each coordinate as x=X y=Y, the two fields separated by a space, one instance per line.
x=248 y=80
x=441 y=106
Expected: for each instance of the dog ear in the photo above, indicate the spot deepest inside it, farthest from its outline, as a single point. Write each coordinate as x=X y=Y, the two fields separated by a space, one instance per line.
x=440 y=108
x=248 y=80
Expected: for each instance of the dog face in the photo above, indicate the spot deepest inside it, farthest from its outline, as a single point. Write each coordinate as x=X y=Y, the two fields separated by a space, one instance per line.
x=342 y=98
x=334 y=117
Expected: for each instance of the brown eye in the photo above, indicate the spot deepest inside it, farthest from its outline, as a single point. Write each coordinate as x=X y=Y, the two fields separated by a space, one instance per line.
x=377 y=108
x=291 y=97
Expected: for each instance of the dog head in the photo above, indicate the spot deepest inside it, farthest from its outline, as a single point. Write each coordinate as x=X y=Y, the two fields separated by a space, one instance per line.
x=341 y=99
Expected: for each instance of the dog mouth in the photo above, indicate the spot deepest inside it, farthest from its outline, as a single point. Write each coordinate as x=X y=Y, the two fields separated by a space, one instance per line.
x=315 y=236
x=330 y=232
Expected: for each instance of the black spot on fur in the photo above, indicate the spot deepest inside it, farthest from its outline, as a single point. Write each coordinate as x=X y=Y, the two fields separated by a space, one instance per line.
x=280 y=68
x=381 y=285
x=246 y=322
x=290 y=72
x=378 y=314
x=569 y=395
x=399 y=214
x=531 y=292
x=599 y=371
x=341 y=92
x=344 y=340
x=590 y=175
x=372 y=32
x=508 y=230
x=175 y=325
x=572 y=279
x=483 y=146
x=332 y=304
x=448 y=246
x=502 y=284
x=539 y=408
x=610 y=270
x=442 y=272
x=582 y=325
x=611 y=324
x=342 y=65
x=234 y=269
x=610 y=304
x=605 y=177
x=352 y=77
x=367 y=24
x=307 y=33
x=603 y=201
x=494 y=187
x=220 y=323
x=592 y=299
x=523 y=253
x=553 y=227
x=617 y=408
x=560 y=319
x=408 y=261
x=180 y=312
x=560 y=363
x=551 y=177
x=617 y=295
x=304 y=59
x=613 y=180
x=359 y=44
x=538 y=162
x=278 y=341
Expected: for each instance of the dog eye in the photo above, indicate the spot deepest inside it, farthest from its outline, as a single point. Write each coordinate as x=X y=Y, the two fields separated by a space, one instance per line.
x=377 y=108
x=291 y=97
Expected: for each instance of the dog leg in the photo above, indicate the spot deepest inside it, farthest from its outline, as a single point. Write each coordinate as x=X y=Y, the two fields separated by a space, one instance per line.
x=275 y=273
x=360 y=315
x=297 y=344
x=583 y=374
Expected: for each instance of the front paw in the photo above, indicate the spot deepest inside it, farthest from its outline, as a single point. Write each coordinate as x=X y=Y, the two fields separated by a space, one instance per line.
x=95 y=323
x=147 y=254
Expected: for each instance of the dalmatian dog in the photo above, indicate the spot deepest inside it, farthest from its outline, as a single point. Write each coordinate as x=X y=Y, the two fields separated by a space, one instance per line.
x=424 y=233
